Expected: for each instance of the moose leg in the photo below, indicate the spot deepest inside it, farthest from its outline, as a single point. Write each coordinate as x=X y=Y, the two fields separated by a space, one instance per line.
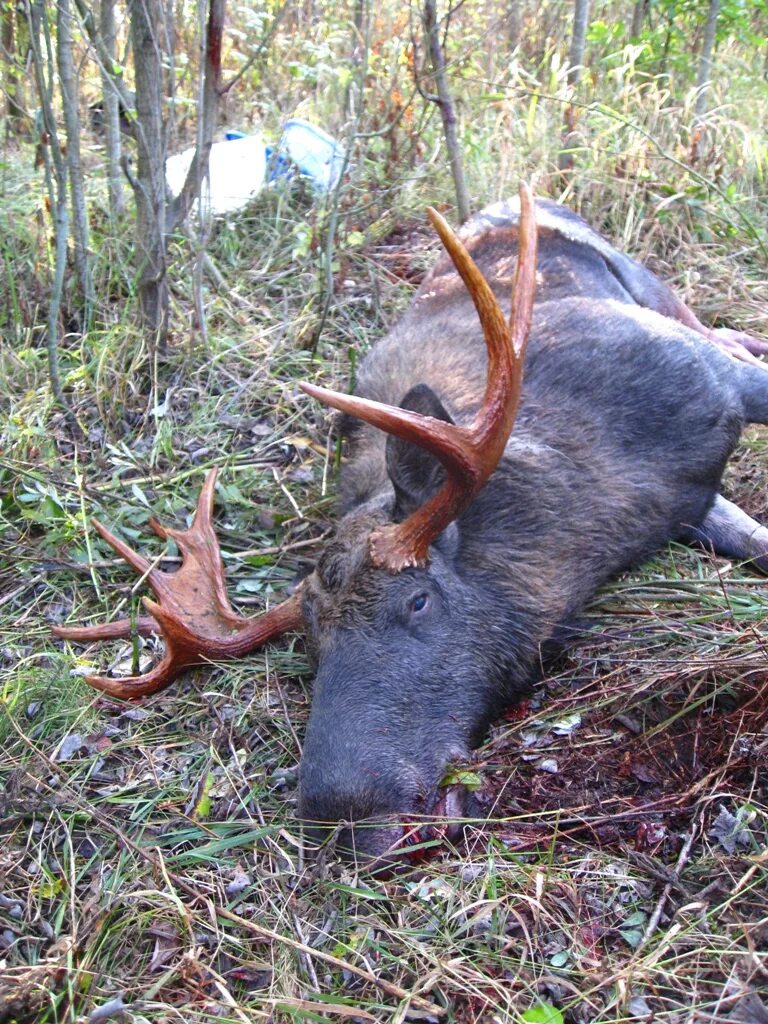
x=729 y=531
x=725 y=337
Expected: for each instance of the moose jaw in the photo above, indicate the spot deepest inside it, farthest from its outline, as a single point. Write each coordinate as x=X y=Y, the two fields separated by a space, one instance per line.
x=464 y=546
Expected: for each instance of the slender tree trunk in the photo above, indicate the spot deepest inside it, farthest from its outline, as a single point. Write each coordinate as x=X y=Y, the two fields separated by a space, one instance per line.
x=210 y=70
x=155 y=218
x=104 y=56
x=13 y=80
x=209 y=91
x=664 y=62
x=146 y=21
x=334 y=210
x=514 y=22
x=169 y=42
x=70 y=100
x=575 y=68
x=578 y=41
x=358 y=17
x=447 y=109
x=56 y=181
x=705 y=60
x=111 y=101
x=639 y=14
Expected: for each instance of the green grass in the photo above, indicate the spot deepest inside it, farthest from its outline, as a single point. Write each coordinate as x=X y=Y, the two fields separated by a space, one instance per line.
x=153 y=853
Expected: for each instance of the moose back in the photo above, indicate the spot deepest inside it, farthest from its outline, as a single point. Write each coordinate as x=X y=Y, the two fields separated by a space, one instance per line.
x=478 y=516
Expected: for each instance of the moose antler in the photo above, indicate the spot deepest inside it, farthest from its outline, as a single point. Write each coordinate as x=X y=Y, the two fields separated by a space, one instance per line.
x=470 y=454
x=192 y=613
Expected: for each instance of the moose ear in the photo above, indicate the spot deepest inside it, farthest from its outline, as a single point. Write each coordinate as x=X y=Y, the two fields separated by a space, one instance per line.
x=415 y=474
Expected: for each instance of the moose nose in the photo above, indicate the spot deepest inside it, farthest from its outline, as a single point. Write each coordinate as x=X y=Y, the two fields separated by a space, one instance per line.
x=329 y=795
x=383 y=819
x=365 y=809
x=384 y=842
x=368 y=844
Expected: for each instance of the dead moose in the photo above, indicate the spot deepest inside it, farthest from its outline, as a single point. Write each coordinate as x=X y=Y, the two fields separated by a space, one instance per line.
x=465 y=546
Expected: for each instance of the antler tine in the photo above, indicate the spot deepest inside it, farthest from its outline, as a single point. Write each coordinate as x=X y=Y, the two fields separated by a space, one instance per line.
x=433 y=435
x=524 y=290
x=489 y=312
x=203 y=518
x=192 y=613
x=470 y=454
x=120 y=629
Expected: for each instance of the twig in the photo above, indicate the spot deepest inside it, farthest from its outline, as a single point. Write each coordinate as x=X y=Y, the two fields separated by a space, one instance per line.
x=307 y=959
x=682 y=860
x=20 y=589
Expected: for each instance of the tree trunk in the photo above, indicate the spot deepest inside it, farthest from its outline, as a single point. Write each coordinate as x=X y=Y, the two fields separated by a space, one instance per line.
x=210 y=70
x=155 y=218
x=70 y=101
x=578 y=41
x=447 y=109
x=664 y=62
x=639 y=14
x=13 y=81
x=209 y=91
x=111 y=101
x=358 y=18
x=705 y=60
x=514 y=22
x=56 y=182
x=105 y=57
x=146 y=21
x=575 y=66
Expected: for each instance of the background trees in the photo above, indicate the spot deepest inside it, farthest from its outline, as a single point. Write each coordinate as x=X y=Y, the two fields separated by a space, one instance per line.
x=149 y=76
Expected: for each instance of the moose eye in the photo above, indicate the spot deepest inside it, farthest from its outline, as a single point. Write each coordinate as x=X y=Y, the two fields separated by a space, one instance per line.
x=419 y=602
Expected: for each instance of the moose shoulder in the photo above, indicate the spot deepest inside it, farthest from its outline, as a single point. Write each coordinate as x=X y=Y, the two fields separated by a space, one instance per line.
x=463 y=548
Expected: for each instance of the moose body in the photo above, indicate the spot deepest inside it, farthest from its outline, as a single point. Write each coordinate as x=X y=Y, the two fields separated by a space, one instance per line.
x=625 y=424
x=627 y=416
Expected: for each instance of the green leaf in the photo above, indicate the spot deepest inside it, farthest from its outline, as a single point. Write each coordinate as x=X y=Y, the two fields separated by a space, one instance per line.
x=635 y=920
x=203 y=803
x=462 y=777
x=258 y=560
x=139 y=495
x=632 y=936
x=544 y=1013
x=231 y=494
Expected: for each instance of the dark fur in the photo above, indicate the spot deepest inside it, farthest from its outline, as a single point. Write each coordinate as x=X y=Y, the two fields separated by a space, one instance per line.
x=627 y=419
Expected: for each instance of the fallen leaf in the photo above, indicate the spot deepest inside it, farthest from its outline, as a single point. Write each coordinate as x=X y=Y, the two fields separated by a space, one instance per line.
x=543 y=1013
